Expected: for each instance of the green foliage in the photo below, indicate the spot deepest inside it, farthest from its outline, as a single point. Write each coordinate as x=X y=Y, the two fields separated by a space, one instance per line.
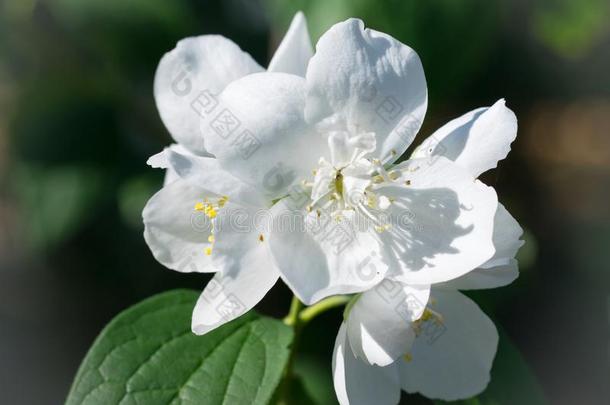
x=148 y=355
x=571 y=28
x=132 y=197
x=55 y=202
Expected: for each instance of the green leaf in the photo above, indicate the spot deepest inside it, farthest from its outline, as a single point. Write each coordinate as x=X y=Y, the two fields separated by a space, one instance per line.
x=148 y=355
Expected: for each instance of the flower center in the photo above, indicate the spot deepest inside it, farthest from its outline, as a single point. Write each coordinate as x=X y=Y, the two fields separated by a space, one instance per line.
x=347 y=186
x=339 y=182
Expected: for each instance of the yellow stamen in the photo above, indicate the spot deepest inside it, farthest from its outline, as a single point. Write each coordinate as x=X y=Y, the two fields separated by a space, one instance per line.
x=208 y=251
x=382 y=228
x=199 y=206
x=210 y=212
x=211 y=239
x=222 y=201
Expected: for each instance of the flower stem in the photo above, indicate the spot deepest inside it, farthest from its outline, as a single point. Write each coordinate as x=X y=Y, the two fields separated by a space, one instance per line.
x=293 y=314
x=309 y=313
x=297 y=318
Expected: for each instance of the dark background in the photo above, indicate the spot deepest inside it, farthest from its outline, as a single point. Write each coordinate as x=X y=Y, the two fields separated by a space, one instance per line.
x=78 y=121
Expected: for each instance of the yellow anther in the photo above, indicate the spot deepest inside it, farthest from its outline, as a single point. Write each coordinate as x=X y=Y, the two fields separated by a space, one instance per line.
x=208 y=251
x=211 y=238
x=394 y=175
x=430 y=314
x=210 y=212
x=426 y=316
x=378 y=179
x=222 y=201
x=261 y=238
x=382 y=228
x=199 y=206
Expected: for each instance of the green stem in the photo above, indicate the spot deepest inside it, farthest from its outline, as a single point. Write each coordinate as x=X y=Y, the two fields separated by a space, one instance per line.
x=297 y=318
x=313 y=311
x=293 y=314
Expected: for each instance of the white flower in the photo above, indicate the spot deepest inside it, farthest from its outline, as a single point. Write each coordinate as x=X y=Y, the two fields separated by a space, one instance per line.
x=196 y=222
x=447 y=341
x=287 y=173
x=364 y=97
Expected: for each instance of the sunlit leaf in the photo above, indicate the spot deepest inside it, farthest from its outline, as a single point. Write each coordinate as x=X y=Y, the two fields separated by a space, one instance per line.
x=148 y=355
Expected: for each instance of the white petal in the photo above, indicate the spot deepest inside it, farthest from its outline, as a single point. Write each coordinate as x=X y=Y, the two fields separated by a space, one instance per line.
x=371 y=82
x=359 y=383
x=178 y=235
x=506 y=237
x=173 y=231
x=161 y=161
x=319 y=257
x=170 y=176
x=208 y=173
x=189 y=78
x=260 y=134
x=476 y=141
x=379 y=325
x=442 y=221
x=228 y=296
x=502 y=268
x=451 y=360
x=295 y=50
x=491 y=277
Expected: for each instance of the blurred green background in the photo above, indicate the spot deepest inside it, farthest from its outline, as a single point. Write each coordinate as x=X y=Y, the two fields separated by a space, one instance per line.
x=78 y=121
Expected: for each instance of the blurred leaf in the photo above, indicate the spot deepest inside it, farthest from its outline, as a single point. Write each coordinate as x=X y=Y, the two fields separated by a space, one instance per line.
x=571 y=28
x=61 y=121
x=132 y=197
x=316 y=379
x=56 y=202
x=148 y=355
x=512 y=381
x=72 y=11
x=293 y=392
x=528 y=253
